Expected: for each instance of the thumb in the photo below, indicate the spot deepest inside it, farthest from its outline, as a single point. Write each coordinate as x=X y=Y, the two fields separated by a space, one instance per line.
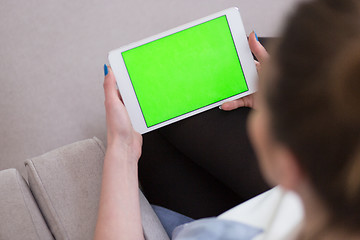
x=257 y=49
x=110 y=90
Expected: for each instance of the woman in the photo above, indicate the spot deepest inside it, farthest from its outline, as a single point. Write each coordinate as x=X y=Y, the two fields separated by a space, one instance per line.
x=305 y=128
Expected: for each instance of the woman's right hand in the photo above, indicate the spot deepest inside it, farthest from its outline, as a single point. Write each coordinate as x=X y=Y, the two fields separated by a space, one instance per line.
x=262 y=55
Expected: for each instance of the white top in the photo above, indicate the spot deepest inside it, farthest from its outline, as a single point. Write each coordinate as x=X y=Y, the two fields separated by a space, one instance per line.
x=278 y=212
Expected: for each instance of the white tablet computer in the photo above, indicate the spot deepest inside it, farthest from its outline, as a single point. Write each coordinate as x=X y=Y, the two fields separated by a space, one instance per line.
x=184 y=71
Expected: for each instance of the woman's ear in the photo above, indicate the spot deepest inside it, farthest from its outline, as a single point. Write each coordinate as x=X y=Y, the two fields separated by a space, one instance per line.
x=289 y=173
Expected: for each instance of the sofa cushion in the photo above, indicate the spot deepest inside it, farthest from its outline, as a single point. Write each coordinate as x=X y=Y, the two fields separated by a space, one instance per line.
x=153 y=229
x=66 y=183
x=20 y=216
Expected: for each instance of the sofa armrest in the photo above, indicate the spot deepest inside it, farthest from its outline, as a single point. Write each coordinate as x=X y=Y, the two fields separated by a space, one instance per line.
x=20 y=218
x=66 y=183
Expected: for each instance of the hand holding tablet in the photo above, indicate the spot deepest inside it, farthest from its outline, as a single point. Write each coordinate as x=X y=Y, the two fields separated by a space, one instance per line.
x=262 y=55
x=184 y=71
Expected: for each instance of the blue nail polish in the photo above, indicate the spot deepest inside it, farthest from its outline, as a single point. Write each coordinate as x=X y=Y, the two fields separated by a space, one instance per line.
x=257 y=39
x=106 y=70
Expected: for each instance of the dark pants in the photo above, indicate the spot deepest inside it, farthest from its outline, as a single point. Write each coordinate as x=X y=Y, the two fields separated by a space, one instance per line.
x=201 y=166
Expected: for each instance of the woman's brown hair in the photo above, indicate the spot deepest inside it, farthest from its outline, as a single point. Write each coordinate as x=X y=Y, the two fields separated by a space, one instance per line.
x=314 y=102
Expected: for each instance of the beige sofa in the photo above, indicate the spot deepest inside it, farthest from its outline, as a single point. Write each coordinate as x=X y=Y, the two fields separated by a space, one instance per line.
x=60 y=199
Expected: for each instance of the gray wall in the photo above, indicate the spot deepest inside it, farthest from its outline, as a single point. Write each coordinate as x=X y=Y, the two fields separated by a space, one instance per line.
x=52 y=53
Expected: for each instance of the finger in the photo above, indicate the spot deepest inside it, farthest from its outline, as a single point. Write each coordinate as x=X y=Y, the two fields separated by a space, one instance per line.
x=258 y=66
x=228 y=106
x=117 y=88
x=120 y=97
x=110 y=90
x=257 y=49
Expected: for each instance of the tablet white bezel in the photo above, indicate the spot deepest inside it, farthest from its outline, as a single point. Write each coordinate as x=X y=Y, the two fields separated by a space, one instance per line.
x=127 y=91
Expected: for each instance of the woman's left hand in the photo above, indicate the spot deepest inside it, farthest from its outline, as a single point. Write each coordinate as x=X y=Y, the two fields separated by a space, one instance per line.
x=262 y=55
x=119 y=214
x=120 y=132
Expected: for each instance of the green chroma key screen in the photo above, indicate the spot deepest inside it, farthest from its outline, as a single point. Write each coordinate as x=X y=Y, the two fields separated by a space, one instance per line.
x=185 y=71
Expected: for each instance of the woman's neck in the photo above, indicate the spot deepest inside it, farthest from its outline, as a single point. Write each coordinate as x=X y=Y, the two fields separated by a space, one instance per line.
x=315 y=225
x=315 y=214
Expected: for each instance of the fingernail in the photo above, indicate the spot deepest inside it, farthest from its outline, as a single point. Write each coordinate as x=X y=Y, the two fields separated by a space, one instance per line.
x=106 y=71
x=220 y=107
x=257 y=39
